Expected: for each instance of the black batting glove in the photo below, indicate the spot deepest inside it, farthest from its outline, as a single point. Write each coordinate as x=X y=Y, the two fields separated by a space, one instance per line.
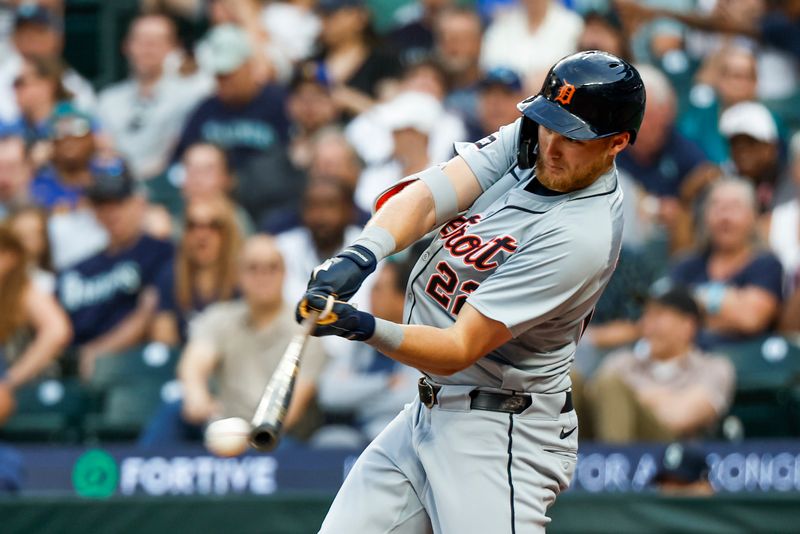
x=342 y=275
x=343 y=319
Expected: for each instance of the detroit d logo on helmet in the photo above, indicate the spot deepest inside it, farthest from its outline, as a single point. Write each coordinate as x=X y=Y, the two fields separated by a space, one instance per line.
x=565 y=93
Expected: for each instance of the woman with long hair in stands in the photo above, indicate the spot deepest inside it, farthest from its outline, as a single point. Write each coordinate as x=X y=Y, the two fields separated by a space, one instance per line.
x=204 y=270
x=29 y=224
x=33 y=327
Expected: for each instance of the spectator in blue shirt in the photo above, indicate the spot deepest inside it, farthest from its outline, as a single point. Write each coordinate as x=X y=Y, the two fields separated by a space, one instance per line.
x=111 y=296
x=662 y=160
x=60 y=186
x=739 y=285
x=247 y=119
x=662 y=157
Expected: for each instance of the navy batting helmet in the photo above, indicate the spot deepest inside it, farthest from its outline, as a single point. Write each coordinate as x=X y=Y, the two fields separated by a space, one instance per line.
x=589 y=95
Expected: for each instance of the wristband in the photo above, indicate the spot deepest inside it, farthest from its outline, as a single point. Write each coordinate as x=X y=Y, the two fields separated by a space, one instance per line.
x=387 y=336
x=379 y=241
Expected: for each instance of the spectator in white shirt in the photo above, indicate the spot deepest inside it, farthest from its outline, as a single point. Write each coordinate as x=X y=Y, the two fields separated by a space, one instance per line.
x=145 y=113
x=531 y=37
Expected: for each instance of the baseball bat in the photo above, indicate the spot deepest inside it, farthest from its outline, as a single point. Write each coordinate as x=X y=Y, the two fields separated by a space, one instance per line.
x=267 y=421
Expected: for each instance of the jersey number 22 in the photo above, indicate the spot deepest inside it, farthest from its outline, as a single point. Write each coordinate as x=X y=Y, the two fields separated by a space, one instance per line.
x=444 y=285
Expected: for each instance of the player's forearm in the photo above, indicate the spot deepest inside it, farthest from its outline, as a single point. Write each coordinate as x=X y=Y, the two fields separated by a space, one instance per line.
x=442 y=351
x=408 y=216
x=434 y=350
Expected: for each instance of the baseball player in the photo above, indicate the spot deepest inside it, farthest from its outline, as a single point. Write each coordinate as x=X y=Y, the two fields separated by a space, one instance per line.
x=528 y=227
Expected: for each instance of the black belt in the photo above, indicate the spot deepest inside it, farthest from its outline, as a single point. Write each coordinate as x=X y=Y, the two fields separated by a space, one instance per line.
x=486 y=400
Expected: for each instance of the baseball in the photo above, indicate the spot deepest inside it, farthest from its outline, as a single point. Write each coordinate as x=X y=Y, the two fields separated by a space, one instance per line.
x=227 y=437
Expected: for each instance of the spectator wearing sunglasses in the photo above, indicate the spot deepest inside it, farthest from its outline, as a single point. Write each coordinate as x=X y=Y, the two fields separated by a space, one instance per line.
x=208 y=175
x=204 y=270
x=59 y=185
x=111 y=297
x=237 y=346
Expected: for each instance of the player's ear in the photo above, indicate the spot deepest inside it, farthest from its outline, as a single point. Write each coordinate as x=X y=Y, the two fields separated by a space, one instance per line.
x=619 y=142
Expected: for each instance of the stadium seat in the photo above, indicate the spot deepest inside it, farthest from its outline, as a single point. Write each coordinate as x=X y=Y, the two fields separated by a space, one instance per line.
x=49 y=410
x=767 y=375
x=127 y=388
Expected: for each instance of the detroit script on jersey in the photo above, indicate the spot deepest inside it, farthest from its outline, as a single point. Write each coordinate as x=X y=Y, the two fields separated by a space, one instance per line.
x=446 y=286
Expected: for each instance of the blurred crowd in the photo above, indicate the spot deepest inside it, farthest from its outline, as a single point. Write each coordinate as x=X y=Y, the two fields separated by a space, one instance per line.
x=187 y=204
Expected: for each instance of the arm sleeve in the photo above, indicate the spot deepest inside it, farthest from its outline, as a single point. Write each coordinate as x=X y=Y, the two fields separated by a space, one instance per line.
x=492 y=157
x=542 y=280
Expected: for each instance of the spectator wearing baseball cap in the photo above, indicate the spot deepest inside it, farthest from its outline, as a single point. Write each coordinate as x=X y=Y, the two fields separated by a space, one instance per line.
x=111 y=296
x=500 y=90
x=755 y=152
x=59 y=185
x=683 y=471
x=665 y=387
x=247 y=119
x=311 y=109
x=39 y=33
x=411 y=119
x=38 y=89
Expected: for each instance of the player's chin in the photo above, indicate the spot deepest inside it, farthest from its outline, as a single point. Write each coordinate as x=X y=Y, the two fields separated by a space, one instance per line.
x=553 y=177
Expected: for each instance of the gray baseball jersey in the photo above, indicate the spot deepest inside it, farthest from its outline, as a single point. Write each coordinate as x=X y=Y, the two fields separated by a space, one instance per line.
x=532 y=260
x=537 y=262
